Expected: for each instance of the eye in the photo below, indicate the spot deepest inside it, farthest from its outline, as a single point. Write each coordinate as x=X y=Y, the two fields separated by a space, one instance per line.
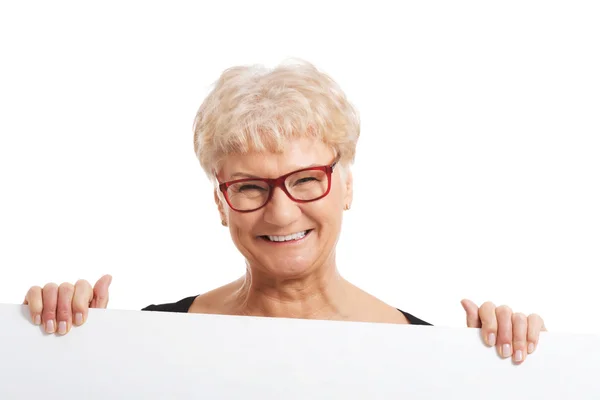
x=305 y=180
x=247 y=187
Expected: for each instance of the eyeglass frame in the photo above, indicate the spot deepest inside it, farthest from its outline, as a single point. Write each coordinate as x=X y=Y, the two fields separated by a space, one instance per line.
x=279 y=182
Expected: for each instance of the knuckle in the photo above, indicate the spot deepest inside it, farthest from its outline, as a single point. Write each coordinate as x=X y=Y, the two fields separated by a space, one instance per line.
x=83 y=283
x=34 y=296
x=534 y=317
x=503 y=310
x=35 y=307
x=101 y=301
x=519 y=318
x=66 y=286
x=533 y=337
x=504 y=336
x=102 y=297
x=79 y=304
x=34 y=289
x=489 y=323
x=63 y=314
x=66 y=289
x=505 y=331
x=486 y=312
x=50 y=286
x=49 y=297
x=48 y=314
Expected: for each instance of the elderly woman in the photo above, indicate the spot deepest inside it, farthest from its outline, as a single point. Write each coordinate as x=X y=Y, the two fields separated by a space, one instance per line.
x=278 y=146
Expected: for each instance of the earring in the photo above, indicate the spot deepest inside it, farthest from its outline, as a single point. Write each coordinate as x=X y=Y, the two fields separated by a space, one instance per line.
x=223 y=222
x=347 y=207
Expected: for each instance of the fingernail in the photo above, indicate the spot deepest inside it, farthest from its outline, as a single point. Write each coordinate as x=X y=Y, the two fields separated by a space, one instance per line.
x=78 y=318
x=62 y=327
x=506 y=350
x=50 y=326
x=492 y=339
x=518 y=356
x=37 y=319
x=530 y=348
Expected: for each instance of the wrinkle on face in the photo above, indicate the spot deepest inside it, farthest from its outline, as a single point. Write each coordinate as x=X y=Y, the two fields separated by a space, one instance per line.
x=302 y=277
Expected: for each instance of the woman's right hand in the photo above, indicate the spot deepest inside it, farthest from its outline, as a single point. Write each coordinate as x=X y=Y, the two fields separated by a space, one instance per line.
x=59 y=307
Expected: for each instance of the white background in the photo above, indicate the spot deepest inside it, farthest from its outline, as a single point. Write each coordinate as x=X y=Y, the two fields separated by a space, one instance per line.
x=477 y=174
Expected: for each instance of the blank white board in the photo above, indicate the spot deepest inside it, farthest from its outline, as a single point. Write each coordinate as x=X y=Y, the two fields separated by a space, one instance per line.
x=122 y=354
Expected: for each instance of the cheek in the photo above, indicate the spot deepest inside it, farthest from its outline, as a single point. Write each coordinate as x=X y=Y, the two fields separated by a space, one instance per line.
x=242 y=225
x=327 y=213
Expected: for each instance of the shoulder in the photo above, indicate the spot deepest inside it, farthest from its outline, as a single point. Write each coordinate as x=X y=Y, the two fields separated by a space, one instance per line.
x=373 y=309
x=182 y=305
x=211 y=302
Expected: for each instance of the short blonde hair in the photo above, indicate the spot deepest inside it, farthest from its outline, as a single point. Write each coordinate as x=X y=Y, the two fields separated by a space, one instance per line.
x=252 y=108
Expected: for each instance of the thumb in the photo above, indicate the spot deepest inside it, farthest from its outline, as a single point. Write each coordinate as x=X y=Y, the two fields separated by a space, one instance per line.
x=472 y=313
x=100 y=299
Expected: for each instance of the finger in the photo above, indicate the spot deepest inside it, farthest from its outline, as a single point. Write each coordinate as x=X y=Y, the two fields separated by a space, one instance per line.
x=49 y=299
x=34 y=300
x=504 y=339
x=64 y=310
x=81 y=301
x=519 y=341
x=100 y=299
x=535 y=324
x=489 y=323
x=472 y=313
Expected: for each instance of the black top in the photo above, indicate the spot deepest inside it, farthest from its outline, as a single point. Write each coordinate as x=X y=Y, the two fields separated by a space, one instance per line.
x=183 y=305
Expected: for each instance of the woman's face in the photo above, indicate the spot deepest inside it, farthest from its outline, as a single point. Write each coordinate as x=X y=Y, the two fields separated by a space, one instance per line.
x=282 y=216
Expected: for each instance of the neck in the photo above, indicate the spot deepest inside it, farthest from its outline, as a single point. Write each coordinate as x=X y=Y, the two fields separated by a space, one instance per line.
x=321 y=295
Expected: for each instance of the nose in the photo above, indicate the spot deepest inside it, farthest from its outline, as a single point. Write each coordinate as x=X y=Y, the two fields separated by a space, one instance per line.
x=281 y=210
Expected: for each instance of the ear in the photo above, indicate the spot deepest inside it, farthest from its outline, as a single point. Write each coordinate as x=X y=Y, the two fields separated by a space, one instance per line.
x=221 y=207
x=349 y=186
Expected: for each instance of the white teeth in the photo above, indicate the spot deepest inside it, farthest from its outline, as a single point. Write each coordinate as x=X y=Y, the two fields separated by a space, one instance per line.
x=294 y=236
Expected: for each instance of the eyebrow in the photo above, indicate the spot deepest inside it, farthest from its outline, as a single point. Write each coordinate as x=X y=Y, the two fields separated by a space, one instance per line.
x=247 y=175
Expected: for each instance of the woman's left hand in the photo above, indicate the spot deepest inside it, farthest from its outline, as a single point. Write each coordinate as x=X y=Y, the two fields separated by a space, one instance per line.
x=513 y=335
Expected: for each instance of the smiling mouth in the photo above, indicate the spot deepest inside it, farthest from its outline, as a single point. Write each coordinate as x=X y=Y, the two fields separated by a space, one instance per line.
x=287 y=238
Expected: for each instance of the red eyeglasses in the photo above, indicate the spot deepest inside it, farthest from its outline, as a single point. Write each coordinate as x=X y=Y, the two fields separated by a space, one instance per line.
x=302 y=186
